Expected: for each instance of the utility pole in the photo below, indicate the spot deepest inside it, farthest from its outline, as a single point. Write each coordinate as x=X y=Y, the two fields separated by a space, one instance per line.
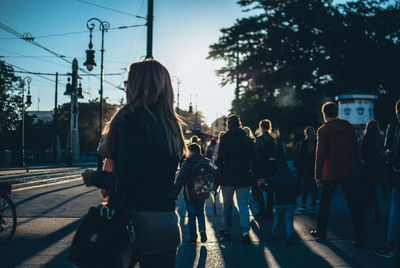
x=74 y=132
x=55 y=141
x=150 y=5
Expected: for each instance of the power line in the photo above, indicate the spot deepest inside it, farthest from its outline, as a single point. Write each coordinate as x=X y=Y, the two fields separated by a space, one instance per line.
x=67 y=74
x=115 y=10
x=28 y=37
x=73 y=33
x=33 y=73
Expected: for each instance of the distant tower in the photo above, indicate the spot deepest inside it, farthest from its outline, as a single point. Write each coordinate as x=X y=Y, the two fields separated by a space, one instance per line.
x=357 y=107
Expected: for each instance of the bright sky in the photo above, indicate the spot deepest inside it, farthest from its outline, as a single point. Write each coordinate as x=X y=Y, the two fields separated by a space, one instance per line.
x=183 y=31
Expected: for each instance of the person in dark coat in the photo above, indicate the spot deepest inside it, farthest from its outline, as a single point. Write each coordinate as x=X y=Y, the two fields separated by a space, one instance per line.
x=266 y=165
x=235 y=162
x=372 y=152
x=392 y=159
x=287 y=187
x=148 y=142
x=305 y=167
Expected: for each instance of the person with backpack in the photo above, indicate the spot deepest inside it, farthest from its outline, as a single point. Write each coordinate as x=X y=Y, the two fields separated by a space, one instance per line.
x=235 y=162
x=196 y=176
x=266 y=154
x=286 y=187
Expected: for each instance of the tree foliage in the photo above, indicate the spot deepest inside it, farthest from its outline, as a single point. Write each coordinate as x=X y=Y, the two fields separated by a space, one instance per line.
x=296 y=54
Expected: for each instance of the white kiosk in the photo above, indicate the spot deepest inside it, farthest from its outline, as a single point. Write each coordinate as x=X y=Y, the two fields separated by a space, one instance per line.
x=357 y=107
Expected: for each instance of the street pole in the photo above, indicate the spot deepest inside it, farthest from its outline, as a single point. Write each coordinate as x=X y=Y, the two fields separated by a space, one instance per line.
x=55 y=159
x=103 y=26
x=150 y=5
x=27 y=79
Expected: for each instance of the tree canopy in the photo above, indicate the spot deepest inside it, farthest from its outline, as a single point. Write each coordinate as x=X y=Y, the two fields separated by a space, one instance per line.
x=291 y=56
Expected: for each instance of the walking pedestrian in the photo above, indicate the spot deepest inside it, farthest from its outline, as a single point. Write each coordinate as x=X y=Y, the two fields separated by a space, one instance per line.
x=211 y=149
x=148 y=142
x=305 y=167
x=392 y=155
x=235 y=161
x=287 y=187
x=372 y=152
x=220 y=134
x=266 y=164
x=194 y=205
x=249 y=133
x=338 y=162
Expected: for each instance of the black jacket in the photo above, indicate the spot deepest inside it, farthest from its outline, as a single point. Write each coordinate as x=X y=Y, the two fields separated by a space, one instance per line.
x=235 y=159
x=267 y=156
x=145 y=170
x=287 y=187
x=184 y=177
x=305 y=162
x=392 y=143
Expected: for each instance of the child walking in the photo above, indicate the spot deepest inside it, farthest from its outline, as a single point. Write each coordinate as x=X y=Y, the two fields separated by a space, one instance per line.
x=194 y=202
x=287 y=187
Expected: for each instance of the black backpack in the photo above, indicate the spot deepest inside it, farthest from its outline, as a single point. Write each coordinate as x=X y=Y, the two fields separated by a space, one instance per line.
x=201 y=182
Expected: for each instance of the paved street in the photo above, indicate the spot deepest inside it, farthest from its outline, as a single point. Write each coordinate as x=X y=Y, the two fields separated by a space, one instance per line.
x=48 y=217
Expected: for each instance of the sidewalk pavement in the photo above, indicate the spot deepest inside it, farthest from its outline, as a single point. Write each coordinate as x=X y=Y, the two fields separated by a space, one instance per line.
x=20 y=170
x=44 y=242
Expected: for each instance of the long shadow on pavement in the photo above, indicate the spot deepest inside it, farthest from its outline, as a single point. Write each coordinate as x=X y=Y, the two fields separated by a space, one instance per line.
x=13 y=257
x=45 y=193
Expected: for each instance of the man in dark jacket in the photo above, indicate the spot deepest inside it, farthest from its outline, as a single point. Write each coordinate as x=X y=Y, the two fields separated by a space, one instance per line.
x=235 y=161
x=338 y=162
x=266 y=149
x=392 y=148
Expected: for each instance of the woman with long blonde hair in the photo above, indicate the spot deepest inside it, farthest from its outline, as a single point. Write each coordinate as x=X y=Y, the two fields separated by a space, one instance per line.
x=145 y=142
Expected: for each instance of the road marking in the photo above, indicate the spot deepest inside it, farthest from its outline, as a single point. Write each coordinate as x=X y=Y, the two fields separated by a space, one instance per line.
x=45 y=185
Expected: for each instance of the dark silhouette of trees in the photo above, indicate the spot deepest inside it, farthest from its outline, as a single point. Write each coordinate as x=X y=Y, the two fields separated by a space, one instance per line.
x=294 y=55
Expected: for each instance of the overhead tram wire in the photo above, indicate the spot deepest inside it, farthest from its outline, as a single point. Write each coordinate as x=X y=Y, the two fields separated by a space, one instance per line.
x=37 y=74
x=28 y=38
x=115 y=10
x=73 y=33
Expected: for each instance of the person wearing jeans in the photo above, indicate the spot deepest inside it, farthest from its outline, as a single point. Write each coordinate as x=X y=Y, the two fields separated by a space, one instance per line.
x=243 y=196
x=194 y=203
x=284 y=212
x=196 y=210
x=235 y=162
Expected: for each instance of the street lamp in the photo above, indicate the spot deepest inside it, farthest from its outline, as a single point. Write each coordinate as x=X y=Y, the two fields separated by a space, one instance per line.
x=28 y=103
x=103 y=27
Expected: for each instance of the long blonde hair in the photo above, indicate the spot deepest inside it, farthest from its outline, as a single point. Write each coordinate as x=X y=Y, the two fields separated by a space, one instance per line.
x=149 y=83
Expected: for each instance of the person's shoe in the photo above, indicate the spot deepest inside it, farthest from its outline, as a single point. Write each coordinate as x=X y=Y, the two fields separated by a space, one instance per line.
x=358 y=243
x=385 y=252
x=245 y=239
x=289 y=242
x=317 y=234
x=302 y=208
x=203 y=236
x=225 y=237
